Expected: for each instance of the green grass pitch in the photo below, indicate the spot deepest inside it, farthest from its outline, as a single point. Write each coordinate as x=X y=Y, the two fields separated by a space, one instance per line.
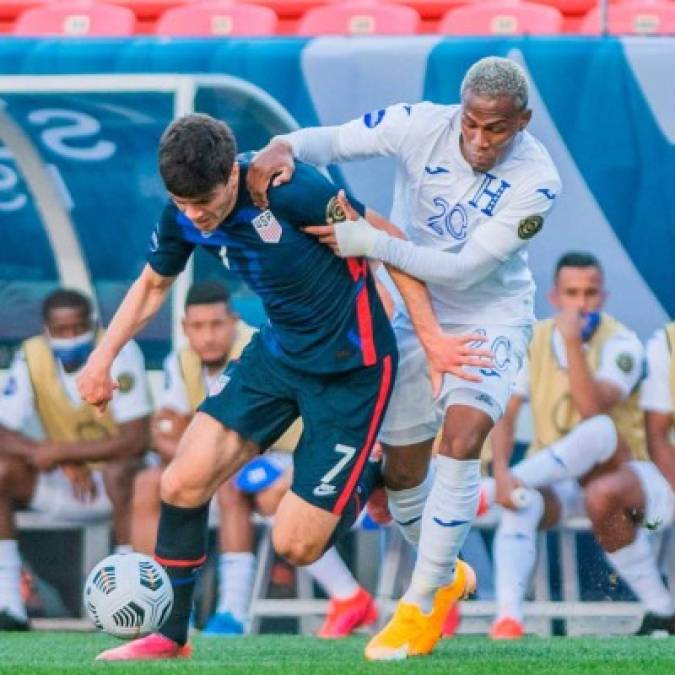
x=73 y=653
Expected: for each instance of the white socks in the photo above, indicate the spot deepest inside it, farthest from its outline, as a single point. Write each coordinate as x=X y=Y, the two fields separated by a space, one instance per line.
x=406 y=507
x=236 y=572
x=590 y=443
x=515 y=552
x=10 y=579
x=123 y=549
x=334 y=576
x=636 y=564
x=448 y=514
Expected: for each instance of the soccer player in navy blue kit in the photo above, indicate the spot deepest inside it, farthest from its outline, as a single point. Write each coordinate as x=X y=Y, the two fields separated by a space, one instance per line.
x=327 y=354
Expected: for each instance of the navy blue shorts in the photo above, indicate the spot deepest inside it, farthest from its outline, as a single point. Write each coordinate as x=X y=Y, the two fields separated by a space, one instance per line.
x=341 y=415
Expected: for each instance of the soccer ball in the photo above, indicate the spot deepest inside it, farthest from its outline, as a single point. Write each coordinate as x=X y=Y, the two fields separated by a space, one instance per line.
x=128 y=595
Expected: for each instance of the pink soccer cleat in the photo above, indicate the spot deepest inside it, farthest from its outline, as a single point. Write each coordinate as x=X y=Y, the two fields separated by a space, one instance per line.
x=345 y=616
x=149 y=648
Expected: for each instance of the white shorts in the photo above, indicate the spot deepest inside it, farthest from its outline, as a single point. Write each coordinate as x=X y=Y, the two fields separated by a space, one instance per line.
x=413 y=415
x=53 y=497
x=659 y=496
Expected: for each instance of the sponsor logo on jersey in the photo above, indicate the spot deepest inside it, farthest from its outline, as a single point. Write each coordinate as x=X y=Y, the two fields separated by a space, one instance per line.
x=434 y=170
x=529 y=226
x=625 y=362
x=547 y=193
x=324 y=490
x=267 y=227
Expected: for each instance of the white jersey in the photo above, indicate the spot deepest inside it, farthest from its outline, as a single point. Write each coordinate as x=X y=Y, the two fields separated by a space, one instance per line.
x=621 y=363
x=441 y=202
x=174 y=394
x=655 y=394
x=17 y=402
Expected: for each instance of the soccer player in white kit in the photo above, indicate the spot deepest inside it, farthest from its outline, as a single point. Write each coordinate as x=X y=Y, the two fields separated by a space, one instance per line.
x=472 y=187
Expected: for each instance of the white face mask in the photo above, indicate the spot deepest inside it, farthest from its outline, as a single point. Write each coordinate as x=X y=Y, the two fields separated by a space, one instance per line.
x=72 y=352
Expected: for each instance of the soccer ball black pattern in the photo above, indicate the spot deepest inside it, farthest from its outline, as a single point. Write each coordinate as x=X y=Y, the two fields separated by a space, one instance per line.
x=128 y=595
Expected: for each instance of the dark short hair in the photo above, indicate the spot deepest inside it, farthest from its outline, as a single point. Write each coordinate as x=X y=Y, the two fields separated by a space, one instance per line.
x=196 y=153
x=207 y=293
x=65 y=297
x=577 y=259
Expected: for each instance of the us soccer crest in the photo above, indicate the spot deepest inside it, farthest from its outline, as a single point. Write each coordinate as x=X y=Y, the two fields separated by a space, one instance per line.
x=267 y=227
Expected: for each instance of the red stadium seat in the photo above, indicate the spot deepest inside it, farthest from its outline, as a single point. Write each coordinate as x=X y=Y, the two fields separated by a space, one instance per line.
x=502 y=17
x=218 y=17
x=76 y=18
x=634 y=18
x=360 y=18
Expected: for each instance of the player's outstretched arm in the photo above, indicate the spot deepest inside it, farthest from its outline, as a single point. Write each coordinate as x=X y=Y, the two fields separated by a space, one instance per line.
x=377 y=134
x=141 y=303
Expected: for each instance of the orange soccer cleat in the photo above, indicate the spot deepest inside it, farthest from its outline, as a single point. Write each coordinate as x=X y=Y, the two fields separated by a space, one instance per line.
x=148 y=648
x=345 y=616
x=507 y=628
x=410 y=632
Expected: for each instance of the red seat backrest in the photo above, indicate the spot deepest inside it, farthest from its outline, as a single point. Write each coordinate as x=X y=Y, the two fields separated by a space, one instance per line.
x=218 y=17
x=360 y=18
x=633 y=18
x=76 y=18
x=502 y=17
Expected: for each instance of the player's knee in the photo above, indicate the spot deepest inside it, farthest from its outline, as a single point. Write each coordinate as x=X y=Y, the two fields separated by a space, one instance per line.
x=171 y=487
x=399 y=477
x=295 y=549
x=466 y=444
x=602 y=497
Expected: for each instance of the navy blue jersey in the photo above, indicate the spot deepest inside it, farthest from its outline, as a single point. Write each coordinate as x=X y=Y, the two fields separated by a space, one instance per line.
x=325 y=315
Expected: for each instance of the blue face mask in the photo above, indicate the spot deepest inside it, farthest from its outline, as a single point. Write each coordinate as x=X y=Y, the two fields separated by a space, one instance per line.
x=591 y=323
x=73 y=352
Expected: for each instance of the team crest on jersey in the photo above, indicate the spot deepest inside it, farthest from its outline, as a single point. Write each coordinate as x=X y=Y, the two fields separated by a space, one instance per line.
x=529 y=226
x=267 y=227
x=334 y=212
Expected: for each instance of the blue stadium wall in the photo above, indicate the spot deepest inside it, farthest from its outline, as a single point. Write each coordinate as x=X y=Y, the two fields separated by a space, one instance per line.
x=603 y=107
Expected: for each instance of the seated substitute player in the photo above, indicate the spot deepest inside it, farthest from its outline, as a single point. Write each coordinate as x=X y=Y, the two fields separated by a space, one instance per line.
x=327 y=355
x=48 y=437
x=582 y=380
x=216 y=336
x=473 y=186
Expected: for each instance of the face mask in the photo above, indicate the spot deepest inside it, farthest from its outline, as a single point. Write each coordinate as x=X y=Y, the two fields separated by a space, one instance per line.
x=591 y=322
x=73 y=352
